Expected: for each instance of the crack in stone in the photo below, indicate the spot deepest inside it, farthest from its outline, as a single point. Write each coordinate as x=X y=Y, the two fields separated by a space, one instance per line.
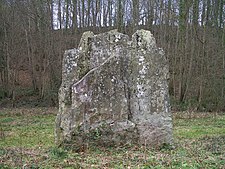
x=92 y=70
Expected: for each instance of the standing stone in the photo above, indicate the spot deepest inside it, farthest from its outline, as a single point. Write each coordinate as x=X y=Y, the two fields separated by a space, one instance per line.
x=114 y=92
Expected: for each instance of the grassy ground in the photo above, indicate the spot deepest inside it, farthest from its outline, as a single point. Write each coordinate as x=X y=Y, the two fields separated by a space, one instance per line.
x=27 y=141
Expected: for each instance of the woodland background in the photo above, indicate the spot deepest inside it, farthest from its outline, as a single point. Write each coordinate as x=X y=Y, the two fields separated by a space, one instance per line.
x=35 y=33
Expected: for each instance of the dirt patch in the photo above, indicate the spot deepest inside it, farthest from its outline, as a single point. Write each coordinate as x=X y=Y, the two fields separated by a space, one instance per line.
x=194 y=115
x=24 y=158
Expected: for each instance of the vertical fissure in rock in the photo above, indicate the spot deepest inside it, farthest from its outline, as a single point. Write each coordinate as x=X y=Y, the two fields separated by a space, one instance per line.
x=127 y=93
x=70 y=96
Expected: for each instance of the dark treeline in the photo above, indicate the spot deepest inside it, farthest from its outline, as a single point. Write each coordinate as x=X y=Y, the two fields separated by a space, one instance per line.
x=35 y=33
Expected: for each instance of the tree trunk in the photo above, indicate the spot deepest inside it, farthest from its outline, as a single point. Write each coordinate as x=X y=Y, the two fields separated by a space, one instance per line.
x=221 y=13
x=83 y=13
x=88 y=13
x=74 y=24
x=59 y=14
x=135 y=15
x=200 y=93
x=119 y=16
x=223 y=78
x=208 y=13
x=67 y=4
x=7 y=68
x=31 y=65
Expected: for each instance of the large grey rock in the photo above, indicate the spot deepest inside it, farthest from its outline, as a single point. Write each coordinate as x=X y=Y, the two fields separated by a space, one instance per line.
x=114 y=91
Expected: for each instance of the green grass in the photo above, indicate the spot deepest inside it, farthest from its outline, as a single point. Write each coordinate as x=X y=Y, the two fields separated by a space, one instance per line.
x=28 y=131
x=27 y=141
x=199 y=127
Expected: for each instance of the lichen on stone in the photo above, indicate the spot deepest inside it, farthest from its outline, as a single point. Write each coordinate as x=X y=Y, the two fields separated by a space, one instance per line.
x=114 y=92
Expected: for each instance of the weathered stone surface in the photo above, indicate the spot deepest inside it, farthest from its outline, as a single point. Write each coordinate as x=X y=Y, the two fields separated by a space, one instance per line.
x=114 y=91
